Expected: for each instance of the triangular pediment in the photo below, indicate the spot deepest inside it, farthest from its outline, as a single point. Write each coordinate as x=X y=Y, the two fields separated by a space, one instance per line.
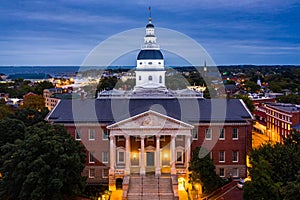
x=151 y=120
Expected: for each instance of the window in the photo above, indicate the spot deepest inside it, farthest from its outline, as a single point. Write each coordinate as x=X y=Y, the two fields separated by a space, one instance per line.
x=179 y=137
x=179 y=156
x=91 y=158
x=235 y=135
x=162 y=138
x=195 y=133
x=121 y=156
x=221 y=172
x=137 y=138
x=160 y=79
x=104 y=173
x=235 y=172
x=150 y=78
x=91 y=134
x=105 y=134
x=105 y=157
x=77 y=134
x=221 y=156
x=140 y=78
x=120 y=138
x=91 y=173
x=208 y=135
x=222 y=134
x=235 y=156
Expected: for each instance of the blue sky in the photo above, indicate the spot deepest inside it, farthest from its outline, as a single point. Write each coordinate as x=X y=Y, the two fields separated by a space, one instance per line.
x=63 y=32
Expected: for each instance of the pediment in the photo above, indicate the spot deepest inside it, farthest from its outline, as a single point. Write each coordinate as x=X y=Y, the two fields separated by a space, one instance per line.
x=150 y=120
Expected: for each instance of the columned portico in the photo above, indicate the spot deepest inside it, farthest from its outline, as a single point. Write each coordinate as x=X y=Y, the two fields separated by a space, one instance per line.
x=148 y=143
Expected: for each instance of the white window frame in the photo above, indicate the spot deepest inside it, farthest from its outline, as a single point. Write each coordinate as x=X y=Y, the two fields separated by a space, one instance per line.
x=222 y=130
x=90 y=174
x=91 y=134
x=103 y=176
x=195 y=133
x=78 y=134
x=91 y=157
x=206 y=132
x=237 y=156
x=233 y=172
x=104 y=133
x=222 y=175
x=105 y=155
x=182 y=156
x=221 y=161
x=118 y=156
x=237 y=134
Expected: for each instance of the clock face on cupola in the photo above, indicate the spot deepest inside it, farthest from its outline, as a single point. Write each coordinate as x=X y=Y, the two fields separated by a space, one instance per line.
x=150 y=70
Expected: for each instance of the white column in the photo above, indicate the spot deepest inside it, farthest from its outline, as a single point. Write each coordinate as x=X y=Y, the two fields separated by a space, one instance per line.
x=157 y=167
x=187 y=150
x=173 y=154
x=112 y=154
x=142 y=164
x=127 y=155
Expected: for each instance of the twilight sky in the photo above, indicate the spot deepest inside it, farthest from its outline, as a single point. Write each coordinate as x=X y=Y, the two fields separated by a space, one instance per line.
x=63 y=32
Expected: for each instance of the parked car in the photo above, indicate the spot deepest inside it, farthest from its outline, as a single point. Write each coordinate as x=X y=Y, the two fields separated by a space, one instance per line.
x=241 y=183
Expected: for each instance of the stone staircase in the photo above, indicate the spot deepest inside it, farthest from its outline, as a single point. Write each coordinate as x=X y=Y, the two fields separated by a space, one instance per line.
x=150 y=187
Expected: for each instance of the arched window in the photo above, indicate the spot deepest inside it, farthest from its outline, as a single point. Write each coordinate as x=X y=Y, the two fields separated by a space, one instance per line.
x=140 y=78
x=160 y=79
x=150 y=78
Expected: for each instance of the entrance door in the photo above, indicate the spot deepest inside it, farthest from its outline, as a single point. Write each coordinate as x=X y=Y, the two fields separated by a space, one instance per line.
x=150 y=159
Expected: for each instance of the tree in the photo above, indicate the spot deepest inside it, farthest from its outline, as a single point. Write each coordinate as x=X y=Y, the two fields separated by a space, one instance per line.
x=11 y=130
x=33 y=101
x=5 y=111
x=40 y=86
x=47 y=164
x=203 y=172
x=246 y=100
x=274 y=170
x=31 y=116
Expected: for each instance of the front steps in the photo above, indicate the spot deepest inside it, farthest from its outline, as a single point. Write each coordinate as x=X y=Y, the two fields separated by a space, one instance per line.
x=150 y=187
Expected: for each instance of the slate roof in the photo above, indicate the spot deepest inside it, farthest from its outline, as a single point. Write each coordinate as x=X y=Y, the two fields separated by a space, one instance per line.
x=110 y=110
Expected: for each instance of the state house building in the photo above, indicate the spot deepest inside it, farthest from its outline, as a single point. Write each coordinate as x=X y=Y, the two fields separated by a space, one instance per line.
x=153 y=130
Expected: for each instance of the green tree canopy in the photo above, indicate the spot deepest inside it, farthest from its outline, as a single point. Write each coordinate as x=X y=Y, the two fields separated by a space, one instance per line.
x=203 y=171
x=33 y=101
x=11 y=130
x=246 y=100
x=40 y=86
x=46 y=165
x=275 y=169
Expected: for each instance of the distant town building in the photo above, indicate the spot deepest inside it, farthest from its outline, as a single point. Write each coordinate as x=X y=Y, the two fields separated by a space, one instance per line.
x=281 y=117
x=53 y=95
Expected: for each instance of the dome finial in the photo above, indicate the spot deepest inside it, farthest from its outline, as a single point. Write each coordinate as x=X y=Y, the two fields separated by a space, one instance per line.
x=150 y=18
